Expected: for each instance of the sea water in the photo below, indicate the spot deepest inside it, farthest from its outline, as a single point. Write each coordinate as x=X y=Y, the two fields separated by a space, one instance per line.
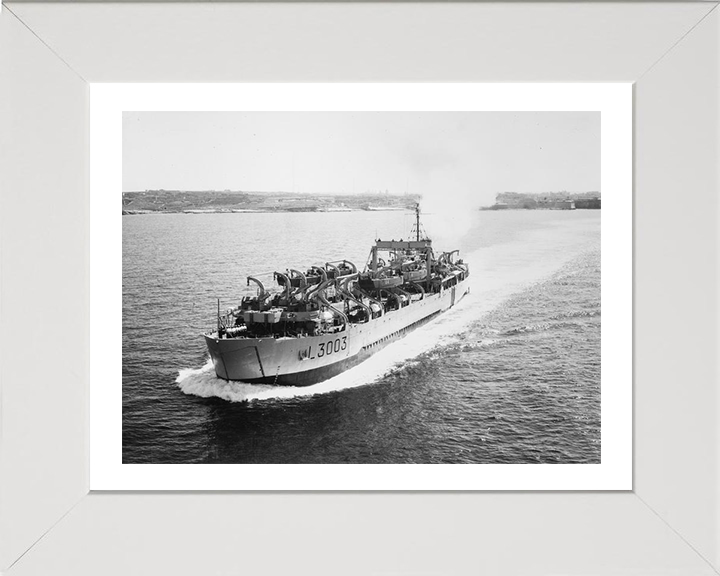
x=509 y=375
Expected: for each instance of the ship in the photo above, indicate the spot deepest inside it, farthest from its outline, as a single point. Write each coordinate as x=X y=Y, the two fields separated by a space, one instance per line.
x=316 y=324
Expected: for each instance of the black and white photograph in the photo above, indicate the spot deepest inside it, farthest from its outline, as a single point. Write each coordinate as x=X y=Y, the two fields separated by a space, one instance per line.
x=361 y=287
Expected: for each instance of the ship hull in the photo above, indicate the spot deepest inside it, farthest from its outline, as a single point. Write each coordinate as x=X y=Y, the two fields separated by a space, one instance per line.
x=308 y=360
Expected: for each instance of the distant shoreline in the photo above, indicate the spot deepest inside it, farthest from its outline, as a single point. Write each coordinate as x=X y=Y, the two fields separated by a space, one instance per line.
x=267 y=211
x=508 y=208
x=546 y=201
x=229 y=202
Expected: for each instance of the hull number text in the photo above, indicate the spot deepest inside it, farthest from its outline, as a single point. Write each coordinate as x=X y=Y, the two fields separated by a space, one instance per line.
x=324 y=349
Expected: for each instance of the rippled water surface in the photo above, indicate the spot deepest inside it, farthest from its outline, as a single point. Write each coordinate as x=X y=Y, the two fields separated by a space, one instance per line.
x=510 y=375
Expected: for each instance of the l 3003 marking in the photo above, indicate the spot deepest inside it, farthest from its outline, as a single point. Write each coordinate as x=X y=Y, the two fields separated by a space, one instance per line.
x=324 y=349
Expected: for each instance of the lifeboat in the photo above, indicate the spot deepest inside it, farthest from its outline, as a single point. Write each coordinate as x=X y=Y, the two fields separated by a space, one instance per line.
x=387 y=282
x=414 y=275
x=271 y=316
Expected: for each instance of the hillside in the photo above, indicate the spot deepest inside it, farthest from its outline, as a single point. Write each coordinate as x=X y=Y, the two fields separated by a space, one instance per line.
x=546 y=201
x=169 y=201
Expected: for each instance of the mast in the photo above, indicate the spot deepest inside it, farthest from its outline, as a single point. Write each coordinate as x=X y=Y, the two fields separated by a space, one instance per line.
x=417 y=221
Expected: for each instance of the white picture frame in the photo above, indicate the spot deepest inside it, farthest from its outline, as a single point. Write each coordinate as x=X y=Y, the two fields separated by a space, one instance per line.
x=668 y=524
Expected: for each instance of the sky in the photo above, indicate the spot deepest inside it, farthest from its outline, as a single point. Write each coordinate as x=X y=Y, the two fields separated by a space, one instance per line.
x=458 y=154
